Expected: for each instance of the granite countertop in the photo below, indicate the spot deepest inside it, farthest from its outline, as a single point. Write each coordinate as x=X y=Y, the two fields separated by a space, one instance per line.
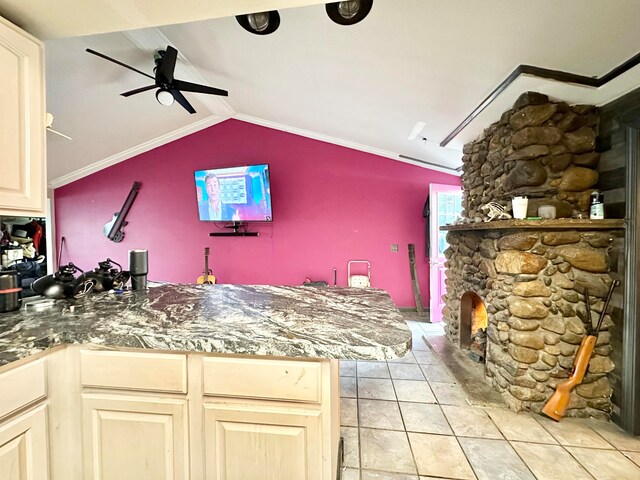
x=347 y=323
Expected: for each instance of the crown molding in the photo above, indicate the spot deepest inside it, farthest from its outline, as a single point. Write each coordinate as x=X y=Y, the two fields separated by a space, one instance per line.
x=137 y=150
x=345 y=143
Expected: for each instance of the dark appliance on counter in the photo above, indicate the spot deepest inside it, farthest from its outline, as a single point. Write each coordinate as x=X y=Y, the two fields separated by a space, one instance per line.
x=106 y=276
x=10 y=291
x=64 y=283
x=138 y=268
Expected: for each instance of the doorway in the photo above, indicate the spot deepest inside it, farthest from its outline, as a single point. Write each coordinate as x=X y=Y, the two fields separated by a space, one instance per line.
x=445 y=206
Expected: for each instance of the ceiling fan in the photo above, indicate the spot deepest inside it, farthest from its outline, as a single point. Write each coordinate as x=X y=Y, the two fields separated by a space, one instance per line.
x=169 y=88
x=49 y=122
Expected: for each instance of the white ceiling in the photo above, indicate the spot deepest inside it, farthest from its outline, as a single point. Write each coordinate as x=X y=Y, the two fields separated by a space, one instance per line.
x=363 y=86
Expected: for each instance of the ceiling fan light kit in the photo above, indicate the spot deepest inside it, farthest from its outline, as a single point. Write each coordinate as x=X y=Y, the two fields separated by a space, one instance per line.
x=164 y=97
x=261 y=23
x=350 y=12
x=169 y=89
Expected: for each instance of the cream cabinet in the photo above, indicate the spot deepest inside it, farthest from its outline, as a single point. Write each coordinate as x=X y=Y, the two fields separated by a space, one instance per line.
x=148 y=415
x=22 y=121
x=134 y=438
x=23 y=446
x=261 y=441
x=23 y=432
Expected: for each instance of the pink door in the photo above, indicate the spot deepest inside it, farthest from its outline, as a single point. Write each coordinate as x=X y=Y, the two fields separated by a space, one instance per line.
x=445 y=202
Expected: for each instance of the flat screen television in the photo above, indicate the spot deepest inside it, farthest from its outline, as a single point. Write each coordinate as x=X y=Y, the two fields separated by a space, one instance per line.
x=234 y=194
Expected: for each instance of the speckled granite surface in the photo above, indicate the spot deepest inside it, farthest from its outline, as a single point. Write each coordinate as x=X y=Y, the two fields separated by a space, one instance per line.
x=338 y=322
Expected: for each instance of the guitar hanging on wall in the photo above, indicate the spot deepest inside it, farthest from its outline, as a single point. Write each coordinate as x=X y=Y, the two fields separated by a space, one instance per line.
x=207 y=278
x=113 y=229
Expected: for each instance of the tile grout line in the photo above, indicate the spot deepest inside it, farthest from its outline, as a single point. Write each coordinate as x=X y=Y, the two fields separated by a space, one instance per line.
x=473 y=470
x=579 y=462
x=526 y=465
x=358 y=423
x=406 y=434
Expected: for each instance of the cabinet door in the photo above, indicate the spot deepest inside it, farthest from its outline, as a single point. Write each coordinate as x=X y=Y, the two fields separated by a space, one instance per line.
x=22 y=120
x=23 y=447
x=134 y=438
x=249 y=442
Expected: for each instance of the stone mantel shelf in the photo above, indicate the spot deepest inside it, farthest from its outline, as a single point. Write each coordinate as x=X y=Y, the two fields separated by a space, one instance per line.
x=549 y=224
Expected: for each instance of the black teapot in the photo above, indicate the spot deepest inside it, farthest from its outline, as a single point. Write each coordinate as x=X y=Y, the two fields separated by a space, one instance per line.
x=63 y=283
x=107 y=277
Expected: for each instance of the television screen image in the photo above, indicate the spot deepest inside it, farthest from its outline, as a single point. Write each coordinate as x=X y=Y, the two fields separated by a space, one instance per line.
x=235 y=194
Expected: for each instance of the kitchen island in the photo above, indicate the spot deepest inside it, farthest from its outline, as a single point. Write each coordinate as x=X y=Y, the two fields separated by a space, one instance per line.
x=203 y=382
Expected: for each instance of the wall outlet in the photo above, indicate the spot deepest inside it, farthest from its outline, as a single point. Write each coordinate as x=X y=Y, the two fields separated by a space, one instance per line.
x=394 y=247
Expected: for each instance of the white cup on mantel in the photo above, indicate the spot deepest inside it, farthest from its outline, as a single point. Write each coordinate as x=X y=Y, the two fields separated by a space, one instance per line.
x=519 y=205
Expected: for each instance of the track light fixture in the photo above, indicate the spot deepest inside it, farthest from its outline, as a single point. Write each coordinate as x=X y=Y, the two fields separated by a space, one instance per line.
x=350 y=12
x=342 y=13
x=261 y=23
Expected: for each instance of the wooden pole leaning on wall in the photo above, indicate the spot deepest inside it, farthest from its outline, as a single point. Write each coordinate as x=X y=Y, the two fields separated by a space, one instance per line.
x=414 y=280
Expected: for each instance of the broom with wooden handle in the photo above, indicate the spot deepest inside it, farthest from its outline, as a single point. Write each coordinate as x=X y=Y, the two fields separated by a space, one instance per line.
x=556 y=406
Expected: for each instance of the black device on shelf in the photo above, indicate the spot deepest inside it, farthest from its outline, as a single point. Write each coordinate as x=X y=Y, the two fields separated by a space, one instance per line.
x=239 y=230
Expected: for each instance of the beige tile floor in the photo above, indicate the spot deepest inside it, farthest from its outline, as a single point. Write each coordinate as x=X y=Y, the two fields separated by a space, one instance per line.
x=408 y=419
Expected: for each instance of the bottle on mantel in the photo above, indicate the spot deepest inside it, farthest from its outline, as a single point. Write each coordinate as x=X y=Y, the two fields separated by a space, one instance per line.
x=596 y=211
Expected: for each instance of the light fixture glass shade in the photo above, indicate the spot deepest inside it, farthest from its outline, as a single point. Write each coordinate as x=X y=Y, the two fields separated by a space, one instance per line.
x=260 y=23
x=349 y=9
x=164 y=97
x=348 y=12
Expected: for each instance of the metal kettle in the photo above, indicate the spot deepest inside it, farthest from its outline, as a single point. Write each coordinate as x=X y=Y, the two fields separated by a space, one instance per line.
x=63 y=284
x=10 y=291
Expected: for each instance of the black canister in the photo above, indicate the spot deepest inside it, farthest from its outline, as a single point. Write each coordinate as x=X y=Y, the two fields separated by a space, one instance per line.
x=10 y=291
x=138 y=268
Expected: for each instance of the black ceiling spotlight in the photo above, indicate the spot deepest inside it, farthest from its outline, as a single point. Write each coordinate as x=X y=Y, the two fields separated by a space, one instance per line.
x=350 y=12
x=261 y=23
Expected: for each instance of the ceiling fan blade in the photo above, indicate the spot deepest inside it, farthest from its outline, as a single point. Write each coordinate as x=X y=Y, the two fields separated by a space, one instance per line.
x=196 y=88
x=101 y=55
x=164 y=73
x=138 y=90
x=58 y=133
x=182 y=100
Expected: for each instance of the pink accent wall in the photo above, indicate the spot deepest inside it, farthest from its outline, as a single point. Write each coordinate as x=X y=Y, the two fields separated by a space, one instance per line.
x=331 y=204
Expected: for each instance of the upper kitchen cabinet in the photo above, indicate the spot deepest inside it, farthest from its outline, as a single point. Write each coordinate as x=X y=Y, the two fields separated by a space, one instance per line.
x=22 y=121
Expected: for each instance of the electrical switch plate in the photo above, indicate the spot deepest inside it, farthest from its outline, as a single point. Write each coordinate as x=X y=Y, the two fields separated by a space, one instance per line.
x=394 y=247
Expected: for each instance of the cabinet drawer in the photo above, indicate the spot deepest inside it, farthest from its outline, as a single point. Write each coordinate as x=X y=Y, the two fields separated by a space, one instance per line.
x=22 y=386
x=154 y=372
x=265 y=379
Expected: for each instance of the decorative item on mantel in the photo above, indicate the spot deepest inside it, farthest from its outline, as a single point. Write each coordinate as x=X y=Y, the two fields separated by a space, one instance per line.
x=519 y=206
x=495 y=211
x=547 y=211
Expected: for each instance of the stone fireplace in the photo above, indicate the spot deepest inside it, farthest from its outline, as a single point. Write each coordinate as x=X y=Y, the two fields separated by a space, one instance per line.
x=524 y=280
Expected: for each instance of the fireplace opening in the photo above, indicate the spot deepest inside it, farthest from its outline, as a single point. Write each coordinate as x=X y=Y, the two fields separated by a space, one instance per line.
x=473 y=326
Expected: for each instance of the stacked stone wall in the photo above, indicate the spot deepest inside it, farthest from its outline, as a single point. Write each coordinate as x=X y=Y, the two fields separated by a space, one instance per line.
x=532 y=283
x=540 y=149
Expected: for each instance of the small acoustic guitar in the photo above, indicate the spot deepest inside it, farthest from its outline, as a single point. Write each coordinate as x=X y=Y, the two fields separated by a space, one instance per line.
x=207 y=278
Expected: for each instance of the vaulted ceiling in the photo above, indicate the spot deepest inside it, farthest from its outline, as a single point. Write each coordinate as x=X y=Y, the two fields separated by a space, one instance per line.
x=364 y=86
